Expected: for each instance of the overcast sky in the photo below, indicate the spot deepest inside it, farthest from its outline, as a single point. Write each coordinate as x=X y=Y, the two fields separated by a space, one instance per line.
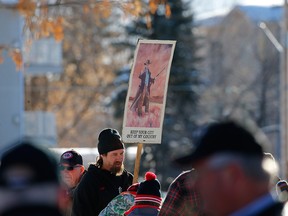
x=207 y=6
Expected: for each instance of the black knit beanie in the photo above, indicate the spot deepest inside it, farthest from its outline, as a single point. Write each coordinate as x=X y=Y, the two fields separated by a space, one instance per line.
x=109 y=140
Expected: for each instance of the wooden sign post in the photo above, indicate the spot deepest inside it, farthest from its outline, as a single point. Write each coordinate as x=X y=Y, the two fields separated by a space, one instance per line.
x=137 y=162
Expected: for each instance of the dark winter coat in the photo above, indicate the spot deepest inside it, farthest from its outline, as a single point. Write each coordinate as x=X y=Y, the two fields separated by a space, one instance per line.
x=274 y=210
x=96 y=189
x=32 y=210
x=268 y=209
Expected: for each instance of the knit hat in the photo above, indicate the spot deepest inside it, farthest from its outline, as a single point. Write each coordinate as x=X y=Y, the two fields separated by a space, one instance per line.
x=109 y=140
x=71 y=157
x=27 y=164
x=149 y=190
x=224 y=137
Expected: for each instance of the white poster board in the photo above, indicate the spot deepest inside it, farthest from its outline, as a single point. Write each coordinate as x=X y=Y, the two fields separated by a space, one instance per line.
x=146 y=97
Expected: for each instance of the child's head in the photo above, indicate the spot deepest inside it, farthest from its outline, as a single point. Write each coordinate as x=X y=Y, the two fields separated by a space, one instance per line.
x=149 y=191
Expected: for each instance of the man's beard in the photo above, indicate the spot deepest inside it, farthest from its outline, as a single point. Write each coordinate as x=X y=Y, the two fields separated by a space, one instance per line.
x=117 y=170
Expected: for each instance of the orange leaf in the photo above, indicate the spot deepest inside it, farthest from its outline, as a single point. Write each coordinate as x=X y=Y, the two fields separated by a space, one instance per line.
x=58 y=29
x=60 y=20
x=153 y=6
x=17 y=58
x=106 y=9
x=45 y=27
x=59 y=36
x=86 y=8
x=1 y=57
x=26 y=7
x=167 y=11
x=138 y=7
x=148 y=21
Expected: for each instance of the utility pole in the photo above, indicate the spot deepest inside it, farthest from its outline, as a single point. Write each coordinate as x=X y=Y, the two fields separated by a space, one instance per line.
x=284 y=95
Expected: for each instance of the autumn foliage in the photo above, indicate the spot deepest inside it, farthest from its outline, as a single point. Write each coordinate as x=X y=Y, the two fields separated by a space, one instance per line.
x=85 y=29
x=17 y=58
x=45 y=19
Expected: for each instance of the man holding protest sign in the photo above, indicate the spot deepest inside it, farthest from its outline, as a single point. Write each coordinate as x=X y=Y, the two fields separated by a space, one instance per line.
x=104 y=180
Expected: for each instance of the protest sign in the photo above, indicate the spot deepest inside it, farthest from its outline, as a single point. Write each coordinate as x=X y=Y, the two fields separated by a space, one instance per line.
x=146 y=97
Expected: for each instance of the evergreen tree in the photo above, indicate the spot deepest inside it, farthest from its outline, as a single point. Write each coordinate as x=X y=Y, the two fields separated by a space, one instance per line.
x=181 y=100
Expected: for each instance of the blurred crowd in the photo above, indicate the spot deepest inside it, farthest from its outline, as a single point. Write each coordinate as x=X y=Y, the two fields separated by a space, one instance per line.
x=227 y=173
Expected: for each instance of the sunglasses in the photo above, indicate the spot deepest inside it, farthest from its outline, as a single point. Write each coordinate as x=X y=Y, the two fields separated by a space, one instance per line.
x=69 y=168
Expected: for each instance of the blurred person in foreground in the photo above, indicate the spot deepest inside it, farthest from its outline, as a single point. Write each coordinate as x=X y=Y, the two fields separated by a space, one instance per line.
x=71 y=170
x=182 y=198
x=104 y=180
x=29 y=181
x=231 y=178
